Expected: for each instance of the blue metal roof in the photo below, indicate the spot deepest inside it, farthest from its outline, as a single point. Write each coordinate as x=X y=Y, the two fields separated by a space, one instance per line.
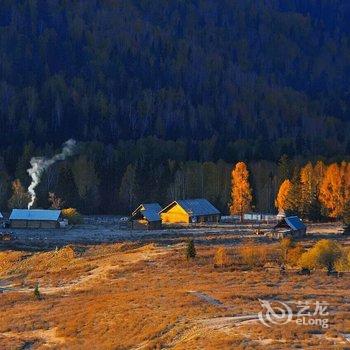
x=294 y=223
x=35 y=214
x=150 y=211
x=195 y=207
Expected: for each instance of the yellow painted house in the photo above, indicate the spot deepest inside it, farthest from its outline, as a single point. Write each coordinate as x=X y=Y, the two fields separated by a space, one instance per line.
x=190 y=211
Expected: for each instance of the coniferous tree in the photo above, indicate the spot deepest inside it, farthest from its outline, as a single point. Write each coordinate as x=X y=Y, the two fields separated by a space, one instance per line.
x=66 y=188
x=346 y=217
x=190 y=250
x=128 y=189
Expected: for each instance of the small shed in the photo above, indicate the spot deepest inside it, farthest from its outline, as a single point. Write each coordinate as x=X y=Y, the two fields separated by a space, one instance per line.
x=146 y=216
x=290 y=226
x=190 y=211
x=258 y=217
x=35 y=218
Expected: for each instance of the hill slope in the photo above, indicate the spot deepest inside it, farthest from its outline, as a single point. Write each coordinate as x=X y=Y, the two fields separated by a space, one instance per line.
x=256 y=78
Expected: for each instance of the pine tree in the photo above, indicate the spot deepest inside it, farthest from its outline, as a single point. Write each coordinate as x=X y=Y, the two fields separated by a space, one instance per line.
x=284 y=168
x=128 y=189
x=241 y=193
x=190 y=250
x=315 y=210
x=346 y=217
x=37 y=293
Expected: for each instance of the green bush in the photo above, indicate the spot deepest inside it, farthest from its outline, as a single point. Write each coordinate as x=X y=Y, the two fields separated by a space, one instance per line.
x=254 y=255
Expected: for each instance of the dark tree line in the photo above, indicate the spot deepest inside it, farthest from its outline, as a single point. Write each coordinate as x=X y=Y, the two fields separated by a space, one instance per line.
x=162 y=90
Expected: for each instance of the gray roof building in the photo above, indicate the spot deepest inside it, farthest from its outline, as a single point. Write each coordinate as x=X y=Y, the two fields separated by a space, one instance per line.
x=149 y=211
x=35 y=214
x=292 y=225
x=295 y=223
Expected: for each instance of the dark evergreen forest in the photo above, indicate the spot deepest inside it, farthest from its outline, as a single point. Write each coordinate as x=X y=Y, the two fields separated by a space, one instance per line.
x=164 y=96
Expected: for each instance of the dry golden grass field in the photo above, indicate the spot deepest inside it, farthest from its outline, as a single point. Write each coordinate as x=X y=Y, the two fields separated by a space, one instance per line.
x=136 y=296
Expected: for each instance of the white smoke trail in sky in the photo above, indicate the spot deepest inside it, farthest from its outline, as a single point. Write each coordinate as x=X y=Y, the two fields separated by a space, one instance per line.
x=40 y=164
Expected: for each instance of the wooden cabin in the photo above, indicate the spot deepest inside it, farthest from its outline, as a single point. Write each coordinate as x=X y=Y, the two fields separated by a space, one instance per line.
x=190 y=211
x=146 y=217
x=35 y=218
x=291 y=226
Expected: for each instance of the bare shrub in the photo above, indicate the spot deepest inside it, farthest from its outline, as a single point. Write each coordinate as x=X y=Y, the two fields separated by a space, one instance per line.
x=222 y=257
x=72 y=215
x=294 y=254
x=254 y=255
x=343 y=263
x=324 y=254
x=285 y=245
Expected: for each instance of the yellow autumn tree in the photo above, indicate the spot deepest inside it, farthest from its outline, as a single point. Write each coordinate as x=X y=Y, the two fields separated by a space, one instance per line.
x=20 y=197
x=281 y=201
x=241 y=193
x=331 y=195
x=306 y=188
x=318 y=175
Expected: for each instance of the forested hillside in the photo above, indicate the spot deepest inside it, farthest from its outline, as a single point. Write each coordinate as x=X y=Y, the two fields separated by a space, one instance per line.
x=165 y=95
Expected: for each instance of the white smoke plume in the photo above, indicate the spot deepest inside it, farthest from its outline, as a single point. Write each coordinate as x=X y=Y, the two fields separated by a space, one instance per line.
x=40 y=164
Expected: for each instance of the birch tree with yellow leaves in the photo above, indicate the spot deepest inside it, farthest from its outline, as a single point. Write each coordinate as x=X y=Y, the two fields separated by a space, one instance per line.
x=331 y=191
x=281 y=201
x=241 y=193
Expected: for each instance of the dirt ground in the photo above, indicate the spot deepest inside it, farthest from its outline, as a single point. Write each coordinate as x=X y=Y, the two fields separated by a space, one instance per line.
x=107 y=231
x=144 y=294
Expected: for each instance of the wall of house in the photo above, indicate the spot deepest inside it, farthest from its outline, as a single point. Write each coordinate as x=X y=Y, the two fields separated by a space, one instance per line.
x=33 y=224
x=18 y=223
x=175 y=215
x=49 y=224
x=145 y=225
x=205 y=218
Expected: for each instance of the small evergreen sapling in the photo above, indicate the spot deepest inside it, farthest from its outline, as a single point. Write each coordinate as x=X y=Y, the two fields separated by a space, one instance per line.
x=37 y=293
x=190 y=250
